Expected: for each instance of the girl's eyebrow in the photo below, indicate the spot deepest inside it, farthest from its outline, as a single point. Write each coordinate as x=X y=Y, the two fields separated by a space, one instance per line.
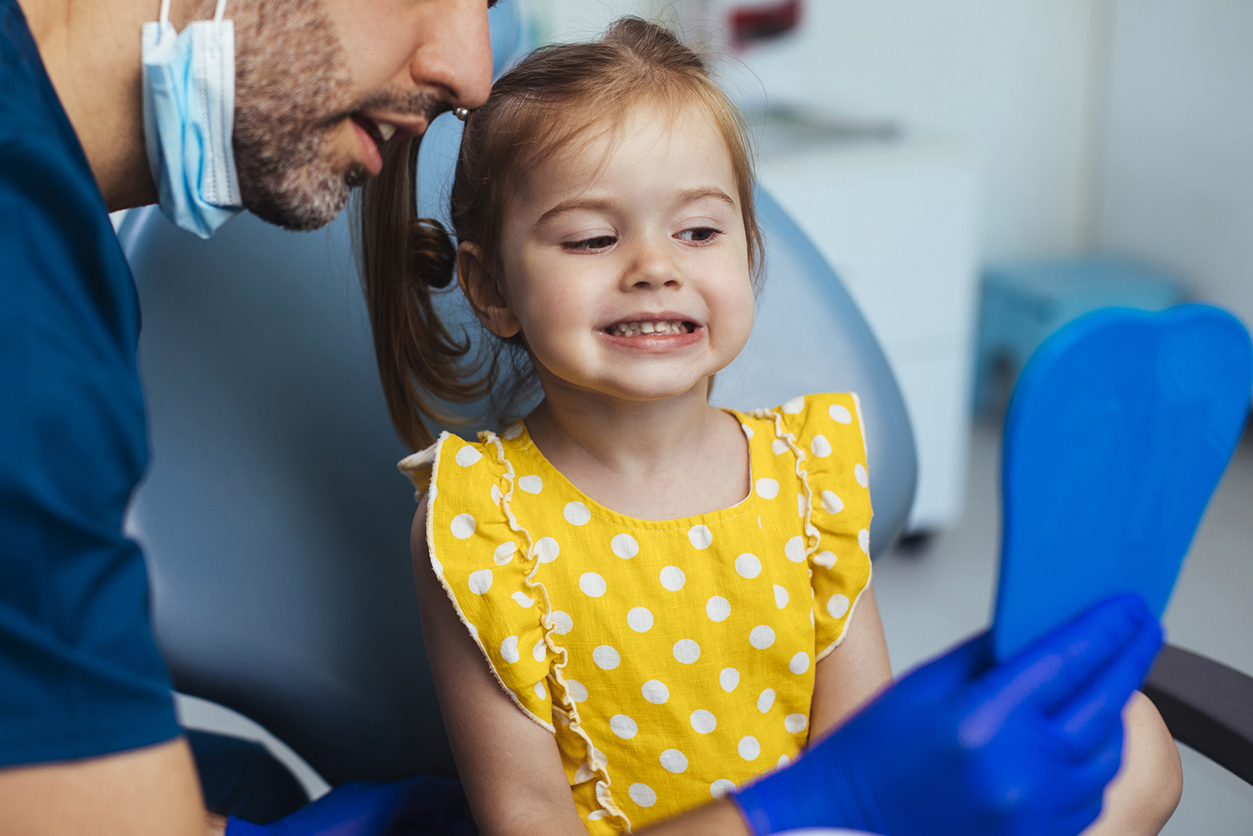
x=593 y=204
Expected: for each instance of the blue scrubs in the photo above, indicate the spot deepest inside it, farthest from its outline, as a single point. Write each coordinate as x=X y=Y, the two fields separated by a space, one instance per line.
x=79 y=671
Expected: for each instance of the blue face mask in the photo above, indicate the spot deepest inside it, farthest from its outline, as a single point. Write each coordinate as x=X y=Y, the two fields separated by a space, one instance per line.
x=189 y=117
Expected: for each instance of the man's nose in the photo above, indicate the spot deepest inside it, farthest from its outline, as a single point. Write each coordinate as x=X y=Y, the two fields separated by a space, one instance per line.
x=456 y=53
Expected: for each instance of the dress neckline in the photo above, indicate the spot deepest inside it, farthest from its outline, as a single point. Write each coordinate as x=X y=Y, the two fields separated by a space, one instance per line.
x=551 y=473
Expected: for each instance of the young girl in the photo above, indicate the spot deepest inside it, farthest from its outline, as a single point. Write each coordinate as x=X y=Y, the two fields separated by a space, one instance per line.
x=633 y=602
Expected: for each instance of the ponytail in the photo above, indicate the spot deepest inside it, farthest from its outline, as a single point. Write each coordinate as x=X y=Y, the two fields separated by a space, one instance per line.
x=404 y=259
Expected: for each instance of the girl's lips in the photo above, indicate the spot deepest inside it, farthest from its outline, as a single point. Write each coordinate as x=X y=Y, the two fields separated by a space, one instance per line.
x=370 y=150
x=655 y=342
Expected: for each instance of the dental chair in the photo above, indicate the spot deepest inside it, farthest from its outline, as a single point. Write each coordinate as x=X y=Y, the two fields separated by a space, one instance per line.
x=275 y=523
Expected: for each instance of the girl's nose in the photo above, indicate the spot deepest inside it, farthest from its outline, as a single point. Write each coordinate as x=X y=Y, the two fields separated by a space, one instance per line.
x=652 y=268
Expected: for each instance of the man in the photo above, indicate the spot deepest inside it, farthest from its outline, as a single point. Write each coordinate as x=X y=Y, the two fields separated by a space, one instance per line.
x=307 y=92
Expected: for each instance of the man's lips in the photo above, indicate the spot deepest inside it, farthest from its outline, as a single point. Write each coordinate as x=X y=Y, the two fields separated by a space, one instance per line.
x=370 y=139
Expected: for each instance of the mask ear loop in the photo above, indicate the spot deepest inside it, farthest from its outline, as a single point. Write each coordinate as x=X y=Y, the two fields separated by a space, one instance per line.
x=164 y=17
x=217 y=15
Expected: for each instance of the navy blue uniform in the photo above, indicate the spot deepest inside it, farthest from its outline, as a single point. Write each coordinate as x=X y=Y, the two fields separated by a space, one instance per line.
x=79 y=671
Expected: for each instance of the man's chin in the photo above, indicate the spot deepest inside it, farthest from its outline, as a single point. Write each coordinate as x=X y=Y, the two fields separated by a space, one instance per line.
x=299 y=210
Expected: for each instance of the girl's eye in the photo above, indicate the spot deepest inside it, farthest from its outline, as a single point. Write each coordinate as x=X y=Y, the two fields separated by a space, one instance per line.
x=700 y=234
x=600 y=242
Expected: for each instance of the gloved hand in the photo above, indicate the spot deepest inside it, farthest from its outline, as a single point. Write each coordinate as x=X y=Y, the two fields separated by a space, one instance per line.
x=965 y=748
x=423 y=805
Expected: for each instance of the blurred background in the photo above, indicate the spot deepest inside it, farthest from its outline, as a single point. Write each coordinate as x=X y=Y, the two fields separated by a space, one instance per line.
x=980 y=172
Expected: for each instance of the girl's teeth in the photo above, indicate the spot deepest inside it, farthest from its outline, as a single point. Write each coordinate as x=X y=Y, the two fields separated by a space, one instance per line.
x=635 y=329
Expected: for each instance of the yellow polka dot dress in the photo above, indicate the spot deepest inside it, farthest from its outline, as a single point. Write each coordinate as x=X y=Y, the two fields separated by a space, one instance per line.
x=673 y=660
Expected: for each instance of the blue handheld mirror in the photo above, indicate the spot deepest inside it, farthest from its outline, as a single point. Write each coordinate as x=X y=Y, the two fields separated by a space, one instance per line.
x=1117 y=434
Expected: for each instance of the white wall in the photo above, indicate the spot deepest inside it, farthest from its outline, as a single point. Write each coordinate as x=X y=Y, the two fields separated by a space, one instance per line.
x=1017 y=80
x=1178 y=157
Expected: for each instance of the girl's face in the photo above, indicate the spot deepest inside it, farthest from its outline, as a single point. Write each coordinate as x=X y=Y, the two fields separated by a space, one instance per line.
x=625 y=261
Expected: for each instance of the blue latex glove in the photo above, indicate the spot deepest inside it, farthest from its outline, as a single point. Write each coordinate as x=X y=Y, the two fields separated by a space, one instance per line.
x=965 y=748
x=418 y=806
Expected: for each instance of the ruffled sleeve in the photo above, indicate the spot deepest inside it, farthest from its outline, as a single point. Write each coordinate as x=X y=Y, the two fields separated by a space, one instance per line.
x=827 y=430
x=485 y=562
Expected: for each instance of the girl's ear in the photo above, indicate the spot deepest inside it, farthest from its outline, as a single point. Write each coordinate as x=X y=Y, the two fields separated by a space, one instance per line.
x=483 y=291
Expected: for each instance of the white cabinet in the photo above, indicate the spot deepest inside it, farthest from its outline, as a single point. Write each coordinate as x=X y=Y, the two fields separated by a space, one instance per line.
x=898 y=220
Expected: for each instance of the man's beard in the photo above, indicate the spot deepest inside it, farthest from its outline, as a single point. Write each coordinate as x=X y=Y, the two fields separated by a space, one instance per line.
x=292 y=91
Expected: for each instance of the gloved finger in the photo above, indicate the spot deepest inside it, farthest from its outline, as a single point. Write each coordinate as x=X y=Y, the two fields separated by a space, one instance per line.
x=1100 y=701
x=1063 y=662
x=1074 y=784
x=1080 y=819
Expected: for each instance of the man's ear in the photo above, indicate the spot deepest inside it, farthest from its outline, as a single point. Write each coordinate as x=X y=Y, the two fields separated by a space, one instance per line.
x=483 y=290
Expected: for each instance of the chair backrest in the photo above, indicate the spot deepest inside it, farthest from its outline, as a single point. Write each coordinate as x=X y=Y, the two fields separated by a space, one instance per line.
x=275 y=523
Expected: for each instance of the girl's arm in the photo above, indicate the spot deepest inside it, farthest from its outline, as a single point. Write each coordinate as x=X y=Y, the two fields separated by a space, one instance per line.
x=853 y=673
x=510 y=766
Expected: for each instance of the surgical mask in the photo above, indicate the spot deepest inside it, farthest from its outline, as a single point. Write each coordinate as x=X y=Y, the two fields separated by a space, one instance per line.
x=189 y=116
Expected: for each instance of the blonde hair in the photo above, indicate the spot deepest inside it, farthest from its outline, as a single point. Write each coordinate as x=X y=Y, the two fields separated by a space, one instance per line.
x=547 y=101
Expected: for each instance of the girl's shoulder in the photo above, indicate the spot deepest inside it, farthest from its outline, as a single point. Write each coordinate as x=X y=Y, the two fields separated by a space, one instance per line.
x=454 y=461
x=824 y=425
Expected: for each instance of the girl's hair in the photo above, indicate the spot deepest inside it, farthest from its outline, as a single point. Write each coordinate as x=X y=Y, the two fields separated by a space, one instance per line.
x=552 y=98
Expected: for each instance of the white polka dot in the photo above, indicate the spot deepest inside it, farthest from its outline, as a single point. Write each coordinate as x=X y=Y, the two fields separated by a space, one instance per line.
x=779 y=446
x=592 y=584
x=801 y=505
x=825 y=559
x=509 y=649
x=655 y=692
x=859 y=473
x=546 y=550
x=539 y=690
x=718 y=608
x=766 y=701
x=749 y=748
x=561 y=621
x=672 y=760
x=640 y=619
x=504 y=552
x=598 y=758
x=437 y=566
x=576 y=513
x=467 y=456
x=686 y=651
x=606 y=658
x=623 y=726
x=863 y=540
x=480 y=581
x=820 y=447
x=512 y=431
x=721 y=787
x=747 y=566
x=761 y=637
x=794 y=549
x=748 y=431
x=767 y=488
x=540 y=651
x=497 y=496
x=585 y=773
x=624 y=546
x=576 y=690
x=840 y=414
x=531 y=484
x=795 y=723
x=728 y=679
x=642 y=794
x=700 y=536
x=704 y=721
x=837 y=605
x=784 y=760
x=799 y=663
x=672 y=578
x=780 y=596
x=831 y=503
x=794 y=406
x=523 y=601
x=462 y=526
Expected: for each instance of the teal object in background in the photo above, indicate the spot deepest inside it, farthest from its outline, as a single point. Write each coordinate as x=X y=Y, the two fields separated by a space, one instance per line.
x=1117 y=434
